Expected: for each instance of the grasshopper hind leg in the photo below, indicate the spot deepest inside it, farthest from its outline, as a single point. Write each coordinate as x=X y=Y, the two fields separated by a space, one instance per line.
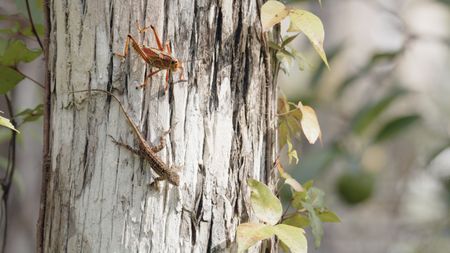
x=146 y=79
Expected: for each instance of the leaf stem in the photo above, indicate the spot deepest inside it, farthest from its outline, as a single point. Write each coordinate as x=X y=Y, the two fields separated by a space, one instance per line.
x=33 y=28
x=286 y=113
x=26 y=76
x=290 y=111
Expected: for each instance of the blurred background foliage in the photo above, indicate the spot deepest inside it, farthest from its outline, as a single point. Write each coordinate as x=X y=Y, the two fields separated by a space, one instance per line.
x=384 y=112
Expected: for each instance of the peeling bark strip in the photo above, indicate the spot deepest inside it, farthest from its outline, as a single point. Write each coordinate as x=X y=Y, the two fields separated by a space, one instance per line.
x=97 y=196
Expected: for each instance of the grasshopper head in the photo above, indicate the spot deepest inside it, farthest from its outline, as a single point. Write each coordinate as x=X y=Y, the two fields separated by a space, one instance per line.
x=176 y=66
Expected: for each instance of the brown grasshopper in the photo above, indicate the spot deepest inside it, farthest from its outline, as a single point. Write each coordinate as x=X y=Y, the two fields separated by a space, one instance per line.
x=155 y=57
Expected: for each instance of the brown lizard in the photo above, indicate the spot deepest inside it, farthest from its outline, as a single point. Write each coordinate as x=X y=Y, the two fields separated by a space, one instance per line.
x=145 y=150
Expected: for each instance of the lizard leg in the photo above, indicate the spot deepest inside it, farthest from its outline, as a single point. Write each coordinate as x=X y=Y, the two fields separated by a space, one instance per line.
x=162 y=142
x=133 y=150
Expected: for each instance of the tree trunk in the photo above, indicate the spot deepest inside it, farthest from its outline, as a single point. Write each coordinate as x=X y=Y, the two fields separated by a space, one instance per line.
x=96 y=195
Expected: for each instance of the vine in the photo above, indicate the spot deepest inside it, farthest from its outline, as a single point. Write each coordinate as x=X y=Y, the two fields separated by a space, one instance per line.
x=306 y=208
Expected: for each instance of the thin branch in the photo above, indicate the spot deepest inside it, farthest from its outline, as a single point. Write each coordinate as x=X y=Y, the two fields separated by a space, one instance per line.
x=12 y=153
x=4 y=220
x=33 y=28
x=286 y=113
x=26 y=76
x=10 y=169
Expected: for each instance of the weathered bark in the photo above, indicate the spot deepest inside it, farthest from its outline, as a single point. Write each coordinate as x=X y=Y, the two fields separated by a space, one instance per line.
x=97 y=197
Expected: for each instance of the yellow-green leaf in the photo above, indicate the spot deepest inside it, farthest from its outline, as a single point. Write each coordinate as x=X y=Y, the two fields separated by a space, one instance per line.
x=310 y=124
x=272 y=12
x=308 y=184
x=312 y=27
x=250 y=233
x=297 y=199
x=293 y=237
x=292 y=153
x=265 y=204
x=6 y=123
x=283 y=133
x=297 y=220
x=328 y=216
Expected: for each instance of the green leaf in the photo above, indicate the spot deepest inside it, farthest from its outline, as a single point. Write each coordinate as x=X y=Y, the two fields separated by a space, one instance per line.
x=283 y=50
x=248 y=234
x=31 y=114
x=297 y=220
x=288 y=39
x=293 y=237
x=316 y=224
x=6 y=123
x=293 y=119
x=17 y=52
x=283 y=133
x=297 y=199
x=328 y=216
x=27 y=31
x=308 y=185
x=272 y=12
x=369 y=113
x=3 y=46
x=265 y=204
x=275 y=46
x=355 y=187
x=289 y=125
x=312 y=27
x=384 y=56
x=9 y=79
x=395 y=127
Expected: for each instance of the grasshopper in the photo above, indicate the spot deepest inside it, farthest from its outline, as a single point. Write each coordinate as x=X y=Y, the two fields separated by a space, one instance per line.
x=160 y=58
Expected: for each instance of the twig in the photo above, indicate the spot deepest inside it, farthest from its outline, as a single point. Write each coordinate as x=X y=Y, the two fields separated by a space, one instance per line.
x=26 y=76
x=33 y=28
x=10 y=168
